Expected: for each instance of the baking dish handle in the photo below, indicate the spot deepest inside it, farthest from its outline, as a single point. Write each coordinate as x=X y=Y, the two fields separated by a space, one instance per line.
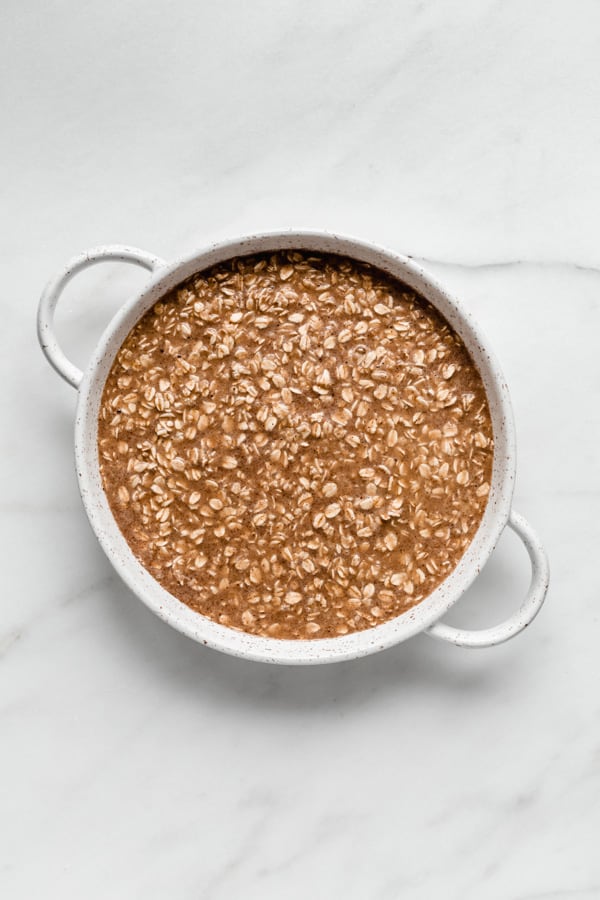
x=538 y=587
x=55 y=287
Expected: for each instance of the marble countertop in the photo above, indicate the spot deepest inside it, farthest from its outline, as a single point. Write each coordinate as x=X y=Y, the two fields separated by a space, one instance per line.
x=137 y=764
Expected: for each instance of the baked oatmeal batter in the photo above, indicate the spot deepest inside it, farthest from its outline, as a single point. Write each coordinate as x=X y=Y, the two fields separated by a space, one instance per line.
x=296 y=445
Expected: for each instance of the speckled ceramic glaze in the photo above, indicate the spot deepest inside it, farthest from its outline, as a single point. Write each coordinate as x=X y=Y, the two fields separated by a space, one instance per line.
x=426 y=615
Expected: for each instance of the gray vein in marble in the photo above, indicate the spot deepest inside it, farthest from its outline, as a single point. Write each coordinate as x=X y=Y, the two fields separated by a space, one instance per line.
x=491 y=264
x=562 y=894
x=9 y=640
x=217 y=885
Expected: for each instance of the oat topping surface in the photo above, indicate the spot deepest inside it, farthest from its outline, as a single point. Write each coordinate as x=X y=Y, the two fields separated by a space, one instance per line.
x=295 y=445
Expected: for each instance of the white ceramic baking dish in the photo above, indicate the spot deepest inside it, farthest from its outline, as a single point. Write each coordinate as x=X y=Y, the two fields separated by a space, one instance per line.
x=427 y=615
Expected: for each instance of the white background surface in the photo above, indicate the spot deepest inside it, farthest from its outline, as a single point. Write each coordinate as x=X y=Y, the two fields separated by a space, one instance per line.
x=136 y=764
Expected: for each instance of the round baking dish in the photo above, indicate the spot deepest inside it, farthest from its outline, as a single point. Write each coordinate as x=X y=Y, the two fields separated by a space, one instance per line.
x=427 y=615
